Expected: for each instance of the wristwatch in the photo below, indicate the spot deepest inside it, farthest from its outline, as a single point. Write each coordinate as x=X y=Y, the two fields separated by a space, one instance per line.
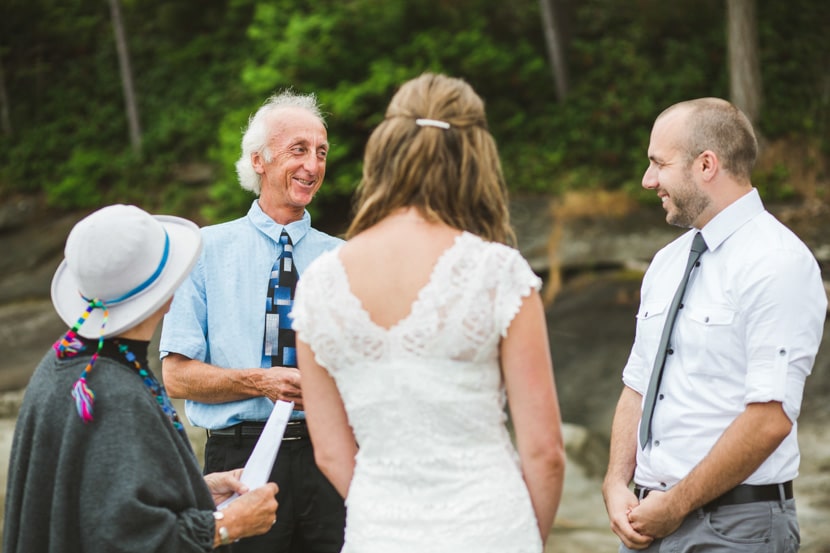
x=224 y=538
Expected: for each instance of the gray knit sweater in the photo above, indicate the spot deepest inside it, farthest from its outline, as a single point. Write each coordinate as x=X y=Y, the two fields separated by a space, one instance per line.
x=126 y=482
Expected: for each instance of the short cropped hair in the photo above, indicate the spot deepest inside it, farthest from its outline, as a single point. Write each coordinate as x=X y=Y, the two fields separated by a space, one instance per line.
x=717 y=125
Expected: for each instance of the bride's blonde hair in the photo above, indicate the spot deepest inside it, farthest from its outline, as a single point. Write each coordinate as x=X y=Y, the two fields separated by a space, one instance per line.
x=433 y=152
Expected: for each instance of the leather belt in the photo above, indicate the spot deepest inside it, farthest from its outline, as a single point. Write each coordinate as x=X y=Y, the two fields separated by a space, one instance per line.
x=294 y=430
x=745 y=493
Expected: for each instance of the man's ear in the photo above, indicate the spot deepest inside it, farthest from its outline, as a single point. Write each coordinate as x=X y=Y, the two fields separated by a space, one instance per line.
x=258 y=162
x=709 y=164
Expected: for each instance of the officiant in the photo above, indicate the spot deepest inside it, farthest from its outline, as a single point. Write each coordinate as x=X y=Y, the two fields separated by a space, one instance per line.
x=100 y=460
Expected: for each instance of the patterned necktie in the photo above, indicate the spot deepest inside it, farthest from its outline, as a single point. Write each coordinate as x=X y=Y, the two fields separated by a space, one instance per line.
x=279 y=336
x=698 y=247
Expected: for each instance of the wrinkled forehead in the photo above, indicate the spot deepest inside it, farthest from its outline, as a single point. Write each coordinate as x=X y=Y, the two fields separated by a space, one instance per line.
x=292 y=123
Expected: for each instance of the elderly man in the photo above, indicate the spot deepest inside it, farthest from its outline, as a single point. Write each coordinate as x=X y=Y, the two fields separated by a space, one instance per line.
x=227 y=343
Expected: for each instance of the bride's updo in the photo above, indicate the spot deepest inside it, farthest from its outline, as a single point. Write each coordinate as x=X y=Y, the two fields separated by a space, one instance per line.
x=433 y=152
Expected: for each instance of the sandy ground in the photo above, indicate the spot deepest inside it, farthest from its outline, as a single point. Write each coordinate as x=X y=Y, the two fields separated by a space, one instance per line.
x=581 y=525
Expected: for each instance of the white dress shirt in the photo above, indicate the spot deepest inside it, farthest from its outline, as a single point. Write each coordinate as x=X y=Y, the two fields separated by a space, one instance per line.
x=748 y=332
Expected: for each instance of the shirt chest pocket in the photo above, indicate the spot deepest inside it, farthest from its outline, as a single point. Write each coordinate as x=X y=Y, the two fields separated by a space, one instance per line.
x=650 y=321
x=709 y=337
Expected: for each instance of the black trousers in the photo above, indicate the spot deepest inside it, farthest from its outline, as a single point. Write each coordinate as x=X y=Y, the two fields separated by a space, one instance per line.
x=311 y=516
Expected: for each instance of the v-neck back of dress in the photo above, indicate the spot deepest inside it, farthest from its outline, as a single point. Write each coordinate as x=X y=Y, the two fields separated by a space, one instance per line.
x=425 y=398
x=435 y=275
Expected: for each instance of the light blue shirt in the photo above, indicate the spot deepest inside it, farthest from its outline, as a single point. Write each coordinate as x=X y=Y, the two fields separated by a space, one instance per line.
x=218 y=313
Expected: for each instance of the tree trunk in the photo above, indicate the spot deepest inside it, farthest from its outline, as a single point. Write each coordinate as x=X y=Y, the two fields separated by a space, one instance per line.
x=744 y=61
x=126 y=76
x=5 y=121
x=555 y=42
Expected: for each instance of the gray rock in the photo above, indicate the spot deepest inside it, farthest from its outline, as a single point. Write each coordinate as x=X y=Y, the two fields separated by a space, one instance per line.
x=600 y=249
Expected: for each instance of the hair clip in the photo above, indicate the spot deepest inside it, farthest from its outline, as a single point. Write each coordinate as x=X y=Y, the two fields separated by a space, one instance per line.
x=432 y=123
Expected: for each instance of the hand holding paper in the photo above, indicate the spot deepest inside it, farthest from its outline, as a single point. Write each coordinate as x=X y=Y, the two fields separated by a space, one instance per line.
x=261 y=461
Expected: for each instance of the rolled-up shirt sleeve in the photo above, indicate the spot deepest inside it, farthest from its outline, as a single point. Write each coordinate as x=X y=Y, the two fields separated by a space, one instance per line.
x=786 y=306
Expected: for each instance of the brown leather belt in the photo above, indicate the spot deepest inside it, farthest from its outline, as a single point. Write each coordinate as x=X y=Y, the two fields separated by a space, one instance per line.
x=294 y=430
x=745 y=493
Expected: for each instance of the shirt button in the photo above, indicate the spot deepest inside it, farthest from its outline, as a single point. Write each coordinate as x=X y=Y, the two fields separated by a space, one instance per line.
x=657 y=443
x=782 y=351
x=706 y=320
x=670 y=351
x=662 y=484
x=661 y=396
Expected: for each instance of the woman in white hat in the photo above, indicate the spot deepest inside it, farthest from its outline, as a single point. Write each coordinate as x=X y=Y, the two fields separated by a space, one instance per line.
x=100 y=461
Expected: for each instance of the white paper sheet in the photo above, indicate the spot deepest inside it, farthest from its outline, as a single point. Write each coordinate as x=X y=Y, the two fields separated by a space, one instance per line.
x=259 y=465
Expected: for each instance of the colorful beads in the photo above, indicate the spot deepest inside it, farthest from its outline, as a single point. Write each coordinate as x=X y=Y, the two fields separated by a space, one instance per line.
x=70 y=345
x=154 y=387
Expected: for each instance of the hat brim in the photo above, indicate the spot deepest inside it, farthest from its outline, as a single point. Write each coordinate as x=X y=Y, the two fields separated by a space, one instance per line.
x=185 y=247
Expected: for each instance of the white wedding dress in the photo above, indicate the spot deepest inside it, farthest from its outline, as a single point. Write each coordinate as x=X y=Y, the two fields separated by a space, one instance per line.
x=436 y=470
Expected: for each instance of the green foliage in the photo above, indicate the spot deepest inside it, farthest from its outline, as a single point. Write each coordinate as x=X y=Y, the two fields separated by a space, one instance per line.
x=775 y=185
x=201 y=69
x=627 y=66
x=80 y=184
x=795 y=57
x=373 y=47
x=70 y=138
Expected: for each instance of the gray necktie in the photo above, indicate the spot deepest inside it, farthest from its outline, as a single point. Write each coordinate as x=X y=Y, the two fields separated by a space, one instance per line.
x=698 y=247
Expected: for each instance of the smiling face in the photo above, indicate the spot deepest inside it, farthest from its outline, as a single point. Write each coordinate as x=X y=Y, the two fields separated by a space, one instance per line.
x=671 y=175
x=294 y=163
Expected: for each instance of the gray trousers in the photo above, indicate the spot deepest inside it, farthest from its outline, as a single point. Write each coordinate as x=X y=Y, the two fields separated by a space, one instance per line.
x=763 y=526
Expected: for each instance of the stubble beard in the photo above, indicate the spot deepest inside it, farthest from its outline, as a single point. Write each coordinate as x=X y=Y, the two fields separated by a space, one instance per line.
x=689 y=202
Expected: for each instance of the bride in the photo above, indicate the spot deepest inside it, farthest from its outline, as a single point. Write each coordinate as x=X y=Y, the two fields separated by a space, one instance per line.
x=414 y=334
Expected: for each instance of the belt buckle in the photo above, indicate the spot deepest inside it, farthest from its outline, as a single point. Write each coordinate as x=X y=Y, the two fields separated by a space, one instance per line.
x=297 y=426
x=641 y=492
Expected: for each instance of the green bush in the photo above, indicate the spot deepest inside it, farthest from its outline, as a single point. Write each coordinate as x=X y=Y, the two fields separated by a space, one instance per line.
x=200 y=69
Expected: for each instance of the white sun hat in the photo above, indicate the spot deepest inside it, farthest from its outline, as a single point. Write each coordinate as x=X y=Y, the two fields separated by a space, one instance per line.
x=124 y=261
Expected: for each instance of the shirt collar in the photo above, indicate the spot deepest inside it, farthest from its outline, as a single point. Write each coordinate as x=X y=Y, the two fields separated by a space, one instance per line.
x=733 y=217
x=296 y=229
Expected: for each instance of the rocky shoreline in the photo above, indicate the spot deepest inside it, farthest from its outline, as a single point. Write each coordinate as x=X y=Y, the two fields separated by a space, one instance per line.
x=599 y=254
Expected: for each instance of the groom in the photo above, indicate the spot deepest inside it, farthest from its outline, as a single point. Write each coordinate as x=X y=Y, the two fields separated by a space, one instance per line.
x=713 y=466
